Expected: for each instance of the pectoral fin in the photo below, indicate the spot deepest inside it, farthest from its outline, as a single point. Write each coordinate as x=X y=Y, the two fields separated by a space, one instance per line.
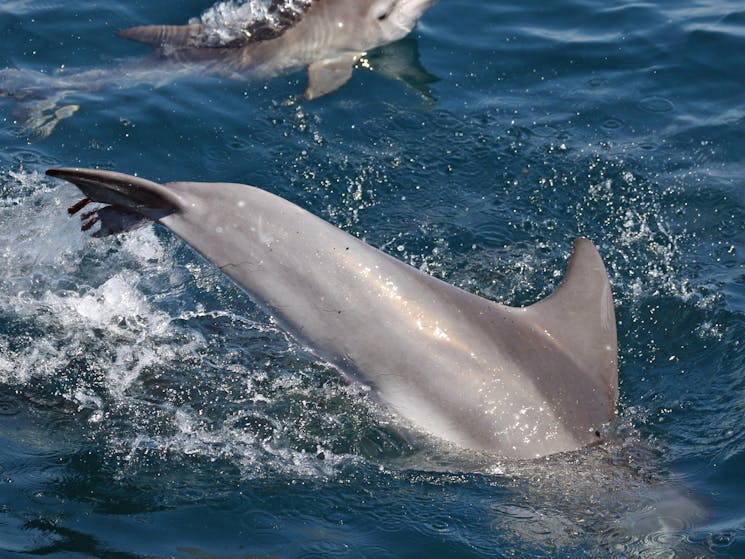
x=325 y=76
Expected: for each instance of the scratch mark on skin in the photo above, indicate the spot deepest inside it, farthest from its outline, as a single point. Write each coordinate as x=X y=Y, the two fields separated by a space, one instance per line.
x=245 y=264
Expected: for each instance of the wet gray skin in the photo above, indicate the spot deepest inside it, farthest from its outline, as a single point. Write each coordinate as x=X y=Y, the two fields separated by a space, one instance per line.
x=518 y=382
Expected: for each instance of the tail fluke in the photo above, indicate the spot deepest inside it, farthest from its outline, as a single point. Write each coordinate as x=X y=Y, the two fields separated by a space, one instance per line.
x=131 y=202
x=40 y=118
x=39 y=97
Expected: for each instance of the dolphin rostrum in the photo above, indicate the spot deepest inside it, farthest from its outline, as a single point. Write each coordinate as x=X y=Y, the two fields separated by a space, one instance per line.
x=518 y=382
x=329 y=37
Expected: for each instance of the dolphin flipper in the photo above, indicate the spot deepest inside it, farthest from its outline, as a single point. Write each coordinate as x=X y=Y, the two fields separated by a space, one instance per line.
x=325 y=76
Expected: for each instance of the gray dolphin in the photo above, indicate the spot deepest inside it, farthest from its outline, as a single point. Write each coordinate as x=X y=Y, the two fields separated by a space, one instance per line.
x=519 y=382
x=329 y=37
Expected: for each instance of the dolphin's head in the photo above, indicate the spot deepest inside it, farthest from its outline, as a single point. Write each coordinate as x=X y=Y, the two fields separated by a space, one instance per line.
x=394 y=19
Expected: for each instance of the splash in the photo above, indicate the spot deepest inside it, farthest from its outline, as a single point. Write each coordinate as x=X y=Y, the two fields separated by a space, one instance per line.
x=240 y=22
x=108 y=330
x=67 y=320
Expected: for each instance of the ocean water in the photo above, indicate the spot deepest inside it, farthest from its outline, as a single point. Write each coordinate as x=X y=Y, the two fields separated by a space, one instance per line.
x=149 y=410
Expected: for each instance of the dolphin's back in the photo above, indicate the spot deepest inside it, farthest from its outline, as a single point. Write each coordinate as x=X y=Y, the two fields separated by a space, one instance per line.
x=520 y=382
x=187 y=44
x=159 y=36
x=237 y=27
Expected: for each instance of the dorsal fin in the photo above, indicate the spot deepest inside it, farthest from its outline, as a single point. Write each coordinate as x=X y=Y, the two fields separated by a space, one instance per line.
x=580 y=315
x=157 y=36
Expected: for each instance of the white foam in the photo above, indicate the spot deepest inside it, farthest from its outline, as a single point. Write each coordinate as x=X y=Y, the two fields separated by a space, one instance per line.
x=58 y=283
x=144 y=244
x=193 y=435
x=104 y=325
x=107 y=306
x=6 y=365
x=230 y=20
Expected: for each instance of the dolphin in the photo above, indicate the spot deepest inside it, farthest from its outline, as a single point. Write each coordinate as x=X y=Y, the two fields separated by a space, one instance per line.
x=328 y=37
x=516 y=382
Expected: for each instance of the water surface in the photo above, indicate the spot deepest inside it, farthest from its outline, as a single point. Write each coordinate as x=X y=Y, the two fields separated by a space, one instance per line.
x=148 y=409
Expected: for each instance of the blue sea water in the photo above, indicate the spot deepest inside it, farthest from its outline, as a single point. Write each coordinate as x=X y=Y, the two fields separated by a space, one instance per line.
x=149 y=409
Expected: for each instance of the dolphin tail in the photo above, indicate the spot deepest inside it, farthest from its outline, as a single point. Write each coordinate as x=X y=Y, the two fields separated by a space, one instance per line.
x=39 y=99
x=131 y=202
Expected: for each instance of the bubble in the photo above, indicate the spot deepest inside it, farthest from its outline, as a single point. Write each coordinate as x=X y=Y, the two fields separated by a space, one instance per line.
x=612 y=123
x=545 y=131
x=656 y=105
x=9 y=407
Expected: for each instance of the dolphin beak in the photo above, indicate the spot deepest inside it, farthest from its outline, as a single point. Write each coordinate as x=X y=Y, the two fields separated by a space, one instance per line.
x=117 y=189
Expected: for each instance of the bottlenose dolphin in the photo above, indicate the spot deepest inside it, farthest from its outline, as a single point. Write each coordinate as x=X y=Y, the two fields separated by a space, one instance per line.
x=518 y=382
x=328 y=37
